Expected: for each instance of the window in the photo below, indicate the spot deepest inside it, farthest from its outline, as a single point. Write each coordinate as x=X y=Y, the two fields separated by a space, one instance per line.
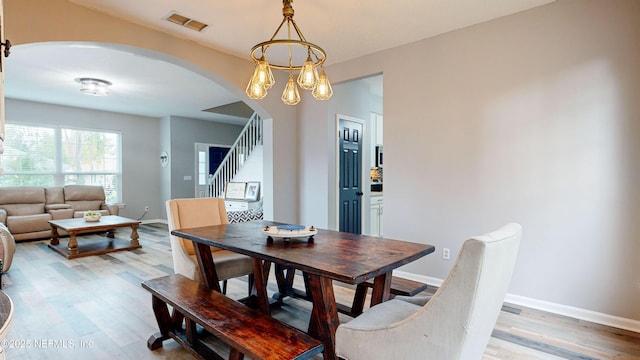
x=48 y=156
x=202 y=168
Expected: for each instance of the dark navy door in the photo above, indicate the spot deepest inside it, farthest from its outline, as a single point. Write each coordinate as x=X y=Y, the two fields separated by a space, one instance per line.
x=216 y=155
x=350 y=176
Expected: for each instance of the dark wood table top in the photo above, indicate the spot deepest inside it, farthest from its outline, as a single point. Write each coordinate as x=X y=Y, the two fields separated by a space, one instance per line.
x=345 y=257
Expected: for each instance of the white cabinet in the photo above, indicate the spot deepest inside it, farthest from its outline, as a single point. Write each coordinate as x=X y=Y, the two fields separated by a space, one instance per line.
x=375 y=216
x=239 y=205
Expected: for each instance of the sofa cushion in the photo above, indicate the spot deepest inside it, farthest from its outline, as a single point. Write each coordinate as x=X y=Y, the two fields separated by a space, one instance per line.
x=28 y=223
x=84 y=192
x=23 y=209
x=34 y=235
x=22 y=200
x=54 y=195
x=84 y=197
x=85 y=205
x=59 y=214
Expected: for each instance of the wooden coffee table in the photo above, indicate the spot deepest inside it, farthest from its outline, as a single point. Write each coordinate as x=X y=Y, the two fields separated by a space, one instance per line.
x=90 y=246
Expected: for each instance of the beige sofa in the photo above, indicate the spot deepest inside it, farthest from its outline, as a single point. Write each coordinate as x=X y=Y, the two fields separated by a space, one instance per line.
x=26 y=210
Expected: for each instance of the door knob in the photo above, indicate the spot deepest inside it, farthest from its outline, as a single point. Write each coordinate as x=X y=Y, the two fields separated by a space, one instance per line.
x=359 y=193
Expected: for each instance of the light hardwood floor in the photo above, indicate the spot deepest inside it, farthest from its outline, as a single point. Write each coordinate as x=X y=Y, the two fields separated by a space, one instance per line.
x=95 y=308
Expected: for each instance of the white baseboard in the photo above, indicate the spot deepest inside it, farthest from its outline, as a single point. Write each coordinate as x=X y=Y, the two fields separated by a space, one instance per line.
x=153 y=221
x=570 y=311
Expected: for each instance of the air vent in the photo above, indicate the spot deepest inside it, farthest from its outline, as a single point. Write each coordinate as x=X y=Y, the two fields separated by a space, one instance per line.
x=181 y=20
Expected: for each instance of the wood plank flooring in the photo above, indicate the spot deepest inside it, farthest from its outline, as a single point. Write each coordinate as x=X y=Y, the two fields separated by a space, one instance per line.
x=94 y=307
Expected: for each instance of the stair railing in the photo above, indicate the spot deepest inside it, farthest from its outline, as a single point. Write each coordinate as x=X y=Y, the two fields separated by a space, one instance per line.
x=249 y=138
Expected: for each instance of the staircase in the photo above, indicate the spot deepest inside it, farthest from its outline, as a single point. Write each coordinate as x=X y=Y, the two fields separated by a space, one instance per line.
x=249 y=138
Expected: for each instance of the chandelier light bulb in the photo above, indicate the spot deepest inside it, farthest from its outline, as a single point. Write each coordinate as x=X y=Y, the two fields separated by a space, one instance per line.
x=308 y=75
x=291 y=96
x=323 y=90
x=263 y=75
x=255 y=90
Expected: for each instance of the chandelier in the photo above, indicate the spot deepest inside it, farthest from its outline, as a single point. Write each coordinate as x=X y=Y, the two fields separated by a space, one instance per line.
x=292 y=59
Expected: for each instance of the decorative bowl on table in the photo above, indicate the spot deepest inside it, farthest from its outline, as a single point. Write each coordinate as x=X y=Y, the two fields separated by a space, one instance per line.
x=92 y=216
x=289 y=231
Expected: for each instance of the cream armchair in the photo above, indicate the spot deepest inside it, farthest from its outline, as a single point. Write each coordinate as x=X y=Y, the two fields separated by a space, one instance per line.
x=198 y=212
x=455 y=323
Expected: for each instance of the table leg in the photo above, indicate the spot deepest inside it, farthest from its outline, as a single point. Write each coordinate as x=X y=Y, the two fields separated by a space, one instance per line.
x=381 y=288
x=209 y=276
x=54 y=235
x=324 y=316
x=283 y=282
x=134 y=235
x=260 y=277
x=73 y=243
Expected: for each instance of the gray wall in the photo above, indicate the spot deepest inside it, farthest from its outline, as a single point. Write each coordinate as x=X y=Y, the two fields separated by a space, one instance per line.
x=165 y=172
x=35 y=21
x=184 y=134
x=531 y=118
x=144 y=180
x=140 y=147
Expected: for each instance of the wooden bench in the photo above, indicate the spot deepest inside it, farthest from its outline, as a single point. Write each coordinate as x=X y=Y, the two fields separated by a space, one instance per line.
x=399 y=286
x=247 y=331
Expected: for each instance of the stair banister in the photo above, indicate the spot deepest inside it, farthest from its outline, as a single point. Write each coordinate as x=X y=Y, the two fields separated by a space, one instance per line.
x=249 y=138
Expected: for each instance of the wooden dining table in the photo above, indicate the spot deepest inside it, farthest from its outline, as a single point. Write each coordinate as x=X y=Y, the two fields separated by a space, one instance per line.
x=327 y=256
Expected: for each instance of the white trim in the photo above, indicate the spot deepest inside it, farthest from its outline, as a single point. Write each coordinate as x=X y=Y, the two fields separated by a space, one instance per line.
x=154 y=221
x=559 y=309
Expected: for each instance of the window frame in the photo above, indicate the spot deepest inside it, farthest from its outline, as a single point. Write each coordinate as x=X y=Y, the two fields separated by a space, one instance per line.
x=59 y=175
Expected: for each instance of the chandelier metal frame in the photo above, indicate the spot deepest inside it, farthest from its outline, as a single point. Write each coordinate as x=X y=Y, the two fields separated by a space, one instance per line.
x=309 y=77
x=287 y=13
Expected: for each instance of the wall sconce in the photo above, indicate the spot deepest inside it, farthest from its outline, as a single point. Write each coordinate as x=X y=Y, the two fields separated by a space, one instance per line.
x=164 y=159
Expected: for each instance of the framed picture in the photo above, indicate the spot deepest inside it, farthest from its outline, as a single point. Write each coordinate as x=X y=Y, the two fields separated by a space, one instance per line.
x=253 y=191
x=235 y=190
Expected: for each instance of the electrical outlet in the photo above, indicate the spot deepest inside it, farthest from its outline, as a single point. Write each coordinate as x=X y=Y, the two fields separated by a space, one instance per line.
x=446 y=253
x=146 y=208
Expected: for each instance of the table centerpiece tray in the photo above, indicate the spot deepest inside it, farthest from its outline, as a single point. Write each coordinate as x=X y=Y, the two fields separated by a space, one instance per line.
x=287 y=232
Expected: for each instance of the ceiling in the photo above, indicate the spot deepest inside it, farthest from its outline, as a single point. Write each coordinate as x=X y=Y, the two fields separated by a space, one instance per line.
x=146 y=86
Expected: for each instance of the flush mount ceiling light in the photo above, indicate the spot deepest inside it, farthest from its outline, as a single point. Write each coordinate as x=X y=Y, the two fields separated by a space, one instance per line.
x=94 y=87
x=300 y=55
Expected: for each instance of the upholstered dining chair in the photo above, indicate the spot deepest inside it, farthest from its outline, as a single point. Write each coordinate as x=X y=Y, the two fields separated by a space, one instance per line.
x=198 y=212
x=455 y=323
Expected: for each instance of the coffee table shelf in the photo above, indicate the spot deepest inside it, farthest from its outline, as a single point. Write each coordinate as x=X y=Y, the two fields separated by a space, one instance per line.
x=93 y=246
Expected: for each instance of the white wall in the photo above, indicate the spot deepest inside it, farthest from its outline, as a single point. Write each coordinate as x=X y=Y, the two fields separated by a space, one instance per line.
x=531 y=118
x=253 y=167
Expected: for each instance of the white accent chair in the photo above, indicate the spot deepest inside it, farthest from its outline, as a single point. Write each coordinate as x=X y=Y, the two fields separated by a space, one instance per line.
x=198 y=212
x=455 y=323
